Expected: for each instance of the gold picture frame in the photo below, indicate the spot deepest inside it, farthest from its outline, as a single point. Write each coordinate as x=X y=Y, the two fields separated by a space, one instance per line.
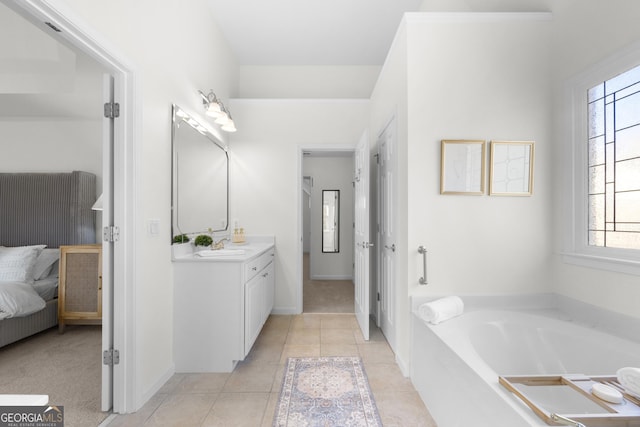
x=462 y=166
x=511 y=168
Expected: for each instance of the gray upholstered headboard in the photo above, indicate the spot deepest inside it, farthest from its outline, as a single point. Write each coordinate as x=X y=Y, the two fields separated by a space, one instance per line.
x=47 y=208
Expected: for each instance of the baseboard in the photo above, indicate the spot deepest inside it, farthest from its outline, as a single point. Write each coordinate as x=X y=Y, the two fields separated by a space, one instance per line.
x=157 y=386
x=328 y=277
x=284 y=310
x=404 y=366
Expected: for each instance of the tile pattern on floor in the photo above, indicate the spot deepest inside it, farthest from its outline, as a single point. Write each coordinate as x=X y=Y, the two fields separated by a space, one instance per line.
x=248 y=396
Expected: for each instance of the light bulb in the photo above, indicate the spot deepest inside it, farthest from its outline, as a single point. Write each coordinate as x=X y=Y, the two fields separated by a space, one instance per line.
x=230 y=126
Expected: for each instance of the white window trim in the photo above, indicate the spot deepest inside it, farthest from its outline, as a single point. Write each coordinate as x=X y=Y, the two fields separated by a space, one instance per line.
x=576 y=248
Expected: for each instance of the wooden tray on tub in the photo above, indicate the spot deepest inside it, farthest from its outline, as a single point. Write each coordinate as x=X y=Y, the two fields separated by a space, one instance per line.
x=570 y=396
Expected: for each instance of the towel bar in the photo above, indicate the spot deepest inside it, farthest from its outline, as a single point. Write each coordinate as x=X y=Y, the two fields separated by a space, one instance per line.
x=422 y=250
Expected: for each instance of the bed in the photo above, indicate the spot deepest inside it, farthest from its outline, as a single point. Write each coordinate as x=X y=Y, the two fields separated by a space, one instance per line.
x=42 y=211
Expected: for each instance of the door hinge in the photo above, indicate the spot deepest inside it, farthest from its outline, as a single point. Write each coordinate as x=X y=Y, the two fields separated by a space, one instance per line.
x=111 y=110
x=378 y=296
x=110 y=357
x=111 y=233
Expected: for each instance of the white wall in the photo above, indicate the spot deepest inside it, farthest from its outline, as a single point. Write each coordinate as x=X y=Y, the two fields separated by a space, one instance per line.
x=57 y=145
x=462 y=89
x=583 y=36
x=390 y=99
x=331 y=173
x=266 y=168
x=311 y=82
x=175 y=50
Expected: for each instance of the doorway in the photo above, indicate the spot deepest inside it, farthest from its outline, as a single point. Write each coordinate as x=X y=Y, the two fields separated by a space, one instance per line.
x=64 y=102
x=117 y=189
x=386 y=232
x=327 y=245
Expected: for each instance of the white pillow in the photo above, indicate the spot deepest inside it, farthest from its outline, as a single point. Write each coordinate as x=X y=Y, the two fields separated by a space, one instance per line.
x=45 y=262
x=18 y=299
x=16 y=263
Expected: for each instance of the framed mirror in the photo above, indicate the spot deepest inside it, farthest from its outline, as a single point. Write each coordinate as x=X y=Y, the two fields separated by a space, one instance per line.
x=330 y=221
x=200 y=178
x=462 y=166
x=511 y=168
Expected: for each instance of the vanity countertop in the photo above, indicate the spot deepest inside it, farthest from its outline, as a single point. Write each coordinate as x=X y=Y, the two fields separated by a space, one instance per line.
x=232 y=252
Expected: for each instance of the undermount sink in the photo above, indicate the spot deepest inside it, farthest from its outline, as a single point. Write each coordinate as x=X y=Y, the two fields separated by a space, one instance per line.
x=219 y=252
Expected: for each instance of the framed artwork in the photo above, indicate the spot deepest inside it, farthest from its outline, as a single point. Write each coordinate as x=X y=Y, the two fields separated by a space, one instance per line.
x=511 y=168
x=462 y=166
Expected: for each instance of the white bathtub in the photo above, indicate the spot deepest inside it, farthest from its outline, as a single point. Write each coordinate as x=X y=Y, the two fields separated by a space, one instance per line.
x=455 y=365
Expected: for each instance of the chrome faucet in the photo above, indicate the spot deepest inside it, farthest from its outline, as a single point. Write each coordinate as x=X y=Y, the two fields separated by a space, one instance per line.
x=219 y=244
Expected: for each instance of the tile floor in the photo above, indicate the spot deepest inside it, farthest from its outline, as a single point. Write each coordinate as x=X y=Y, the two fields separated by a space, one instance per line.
x=248 y=396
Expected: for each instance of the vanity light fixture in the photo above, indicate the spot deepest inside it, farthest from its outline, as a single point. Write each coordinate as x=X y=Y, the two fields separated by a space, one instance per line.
x=223 y=118
x=229 y=126
x=216 y=109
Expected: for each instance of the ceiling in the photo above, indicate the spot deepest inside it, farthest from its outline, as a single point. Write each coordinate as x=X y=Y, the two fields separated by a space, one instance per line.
x=306 y=32
x=41 y=77
x=260 y=32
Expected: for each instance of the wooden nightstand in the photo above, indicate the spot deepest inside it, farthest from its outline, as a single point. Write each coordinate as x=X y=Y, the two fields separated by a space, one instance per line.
x=80 y=285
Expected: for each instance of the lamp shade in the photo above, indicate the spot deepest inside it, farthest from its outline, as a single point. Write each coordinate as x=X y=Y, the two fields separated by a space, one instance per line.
x=214 y=110
x=230 y=126
x=97 y=206
x=223 y=119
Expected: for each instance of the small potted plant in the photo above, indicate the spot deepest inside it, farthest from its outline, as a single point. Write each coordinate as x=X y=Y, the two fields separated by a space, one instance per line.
x=180 y=238
x=202 y=241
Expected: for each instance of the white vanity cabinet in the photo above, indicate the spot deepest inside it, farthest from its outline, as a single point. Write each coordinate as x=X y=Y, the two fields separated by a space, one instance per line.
x=258 y=298
x=220 y=306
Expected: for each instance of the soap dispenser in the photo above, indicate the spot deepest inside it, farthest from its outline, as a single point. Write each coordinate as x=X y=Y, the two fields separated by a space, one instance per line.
x=238 y=235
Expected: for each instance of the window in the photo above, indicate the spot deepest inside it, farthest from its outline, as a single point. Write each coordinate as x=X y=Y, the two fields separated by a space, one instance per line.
x=602 y=210
x=614 y=162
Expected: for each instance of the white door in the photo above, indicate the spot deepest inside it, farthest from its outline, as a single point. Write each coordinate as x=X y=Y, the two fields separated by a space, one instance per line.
x=386 y=226
x=361 y=240
x=107 y=247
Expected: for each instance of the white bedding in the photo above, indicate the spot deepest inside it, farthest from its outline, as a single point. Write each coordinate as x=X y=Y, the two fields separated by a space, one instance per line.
x=47 y=288
x=18 y=299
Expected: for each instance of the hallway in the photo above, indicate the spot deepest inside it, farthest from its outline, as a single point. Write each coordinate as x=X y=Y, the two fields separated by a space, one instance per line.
x=326 y=296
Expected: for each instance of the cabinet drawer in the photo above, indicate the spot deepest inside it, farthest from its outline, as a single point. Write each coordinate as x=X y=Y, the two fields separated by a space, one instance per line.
x=255 y=265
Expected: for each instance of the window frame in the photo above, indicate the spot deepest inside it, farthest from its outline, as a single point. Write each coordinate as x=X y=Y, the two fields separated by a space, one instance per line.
x=576 y=234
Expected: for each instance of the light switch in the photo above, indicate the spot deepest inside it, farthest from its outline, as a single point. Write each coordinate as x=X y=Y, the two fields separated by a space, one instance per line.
x=153 y=227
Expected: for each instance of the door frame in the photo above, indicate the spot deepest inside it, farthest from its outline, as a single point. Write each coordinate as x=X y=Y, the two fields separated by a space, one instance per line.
x=315 y=148
x=78 y=35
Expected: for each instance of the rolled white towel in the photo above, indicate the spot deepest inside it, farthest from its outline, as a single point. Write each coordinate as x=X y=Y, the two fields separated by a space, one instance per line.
x=629 y=378
x=441 y=309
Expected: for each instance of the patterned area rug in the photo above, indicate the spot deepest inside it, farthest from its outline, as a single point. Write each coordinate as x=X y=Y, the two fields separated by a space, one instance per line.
x=325 y=391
